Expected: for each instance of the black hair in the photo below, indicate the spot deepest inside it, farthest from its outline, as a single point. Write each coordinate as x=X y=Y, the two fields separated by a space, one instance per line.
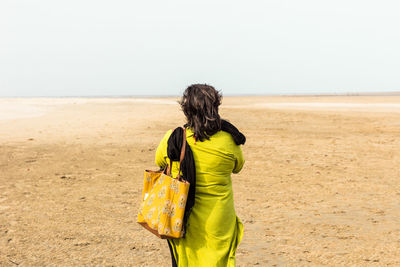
x=200 y=104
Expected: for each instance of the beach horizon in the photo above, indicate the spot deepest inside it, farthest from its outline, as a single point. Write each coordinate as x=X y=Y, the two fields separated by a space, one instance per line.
x=322 y=94
x=23 y=107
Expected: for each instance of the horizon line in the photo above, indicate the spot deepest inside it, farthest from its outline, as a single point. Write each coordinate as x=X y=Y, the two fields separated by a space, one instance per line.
x=386 y=93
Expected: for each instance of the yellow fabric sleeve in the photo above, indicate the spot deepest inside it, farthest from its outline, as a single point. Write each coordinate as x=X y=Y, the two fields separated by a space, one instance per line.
x=239 y=161
x=161 y=152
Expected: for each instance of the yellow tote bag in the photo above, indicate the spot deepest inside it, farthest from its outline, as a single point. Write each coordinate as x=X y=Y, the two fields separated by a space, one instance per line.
x=164 y=201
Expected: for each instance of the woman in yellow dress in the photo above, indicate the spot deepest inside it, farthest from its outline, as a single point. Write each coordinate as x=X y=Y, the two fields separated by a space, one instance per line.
x=212 y=231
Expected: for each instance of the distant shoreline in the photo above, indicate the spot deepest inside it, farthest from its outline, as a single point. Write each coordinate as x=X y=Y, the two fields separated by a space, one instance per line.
x=396 y=93
x=24 y=107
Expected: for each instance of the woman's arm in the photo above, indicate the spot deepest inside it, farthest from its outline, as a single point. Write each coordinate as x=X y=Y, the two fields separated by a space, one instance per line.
x=161 y=152
x=239 y=159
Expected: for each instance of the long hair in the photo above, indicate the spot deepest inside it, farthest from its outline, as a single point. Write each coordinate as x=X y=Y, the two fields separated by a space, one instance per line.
x=200 y=104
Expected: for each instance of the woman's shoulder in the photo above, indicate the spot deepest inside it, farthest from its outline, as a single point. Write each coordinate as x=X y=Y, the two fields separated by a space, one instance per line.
x=224 y=137
x=219 y=136
x=221 y=140
x=167 y=134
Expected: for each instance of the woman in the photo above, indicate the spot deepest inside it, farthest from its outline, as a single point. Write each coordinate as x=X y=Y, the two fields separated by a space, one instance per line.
x=213 y=231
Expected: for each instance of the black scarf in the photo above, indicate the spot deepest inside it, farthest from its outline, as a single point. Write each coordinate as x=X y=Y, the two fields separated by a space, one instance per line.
x=188 y=168
x=238 y=137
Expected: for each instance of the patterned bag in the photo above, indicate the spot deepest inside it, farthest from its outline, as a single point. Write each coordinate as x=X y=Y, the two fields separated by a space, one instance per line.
x=164 y=200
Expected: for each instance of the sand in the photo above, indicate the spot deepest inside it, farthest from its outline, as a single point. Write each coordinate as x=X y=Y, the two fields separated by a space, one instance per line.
x=320 y=184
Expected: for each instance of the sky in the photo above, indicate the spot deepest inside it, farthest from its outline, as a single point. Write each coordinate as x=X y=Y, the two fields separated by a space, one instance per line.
x=143 y=48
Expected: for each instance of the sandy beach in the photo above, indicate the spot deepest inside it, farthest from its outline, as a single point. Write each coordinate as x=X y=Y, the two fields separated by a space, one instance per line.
x=320 y=186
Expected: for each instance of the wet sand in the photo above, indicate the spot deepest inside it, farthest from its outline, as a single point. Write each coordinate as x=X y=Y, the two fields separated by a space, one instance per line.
x=320 y=185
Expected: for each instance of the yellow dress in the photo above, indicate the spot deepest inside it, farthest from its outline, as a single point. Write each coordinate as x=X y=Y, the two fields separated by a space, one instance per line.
x=213 y=229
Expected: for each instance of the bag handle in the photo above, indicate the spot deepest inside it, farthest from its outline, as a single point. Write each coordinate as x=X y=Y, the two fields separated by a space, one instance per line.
x=183 y=149
x=182 y=156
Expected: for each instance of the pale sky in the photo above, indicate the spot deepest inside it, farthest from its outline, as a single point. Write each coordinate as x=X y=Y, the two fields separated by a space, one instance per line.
x=121 y=47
